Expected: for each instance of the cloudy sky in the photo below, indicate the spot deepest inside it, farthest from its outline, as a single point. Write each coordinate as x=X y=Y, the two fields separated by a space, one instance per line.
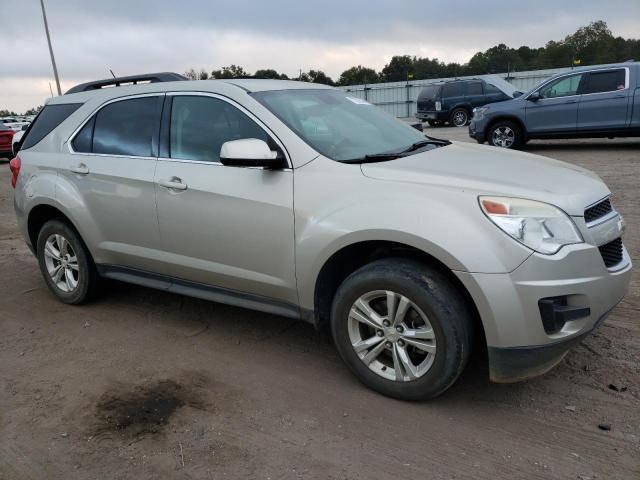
x=135 y=36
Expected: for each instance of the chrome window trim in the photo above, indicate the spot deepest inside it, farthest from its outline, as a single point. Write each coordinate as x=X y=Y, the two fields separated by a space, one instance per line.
x=244 y=110
x=94 y=112
x=626 y=82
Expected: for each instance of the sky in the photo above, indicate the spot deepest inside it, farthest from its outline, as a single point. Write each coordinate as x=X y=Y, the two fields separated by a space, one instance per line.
x=136 y=36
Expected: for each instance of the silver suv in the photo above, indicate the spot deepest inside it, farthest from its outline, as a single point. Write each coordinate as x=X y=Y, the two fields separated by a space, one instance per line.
x=301 y=200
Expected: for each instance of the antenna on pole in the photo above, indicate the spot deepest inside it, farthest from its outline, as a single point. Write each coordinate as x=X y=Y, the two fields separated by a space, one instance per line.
x=53 y=60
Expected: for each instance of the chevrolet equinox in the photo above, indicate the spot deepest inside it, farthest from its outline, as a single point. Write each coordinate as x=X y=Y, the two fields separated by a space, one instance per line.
x=301 y=200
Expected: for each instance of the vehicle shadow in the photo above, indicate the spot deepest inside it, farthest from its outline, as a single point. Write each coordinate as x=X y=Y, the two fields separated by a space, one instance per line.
x=568 y=145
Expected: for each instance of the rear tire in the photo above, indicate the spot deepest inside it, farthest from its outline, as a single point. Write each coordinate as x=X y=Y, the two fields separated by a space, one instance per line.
x=459 y=117
x=400 y=360
x=65 y=263
x=505 y=134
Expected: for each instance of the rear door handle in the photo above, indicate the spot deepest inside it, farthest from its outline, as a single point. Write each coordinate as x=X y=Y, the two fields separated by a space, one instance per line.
x=175 y=183
x=80 y=169
x=570 y=101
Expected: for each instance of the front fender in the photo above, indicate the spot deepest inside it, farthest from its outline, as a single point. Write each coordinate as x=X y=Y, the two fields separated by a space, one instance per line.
x=337 y=206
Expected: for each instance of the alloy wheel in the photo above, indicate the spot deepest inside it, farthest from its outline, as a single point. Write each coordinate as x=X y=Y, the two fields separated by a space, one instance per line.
x=460 y=118
x=503 y=137
x=392 y=335
x=61 y=262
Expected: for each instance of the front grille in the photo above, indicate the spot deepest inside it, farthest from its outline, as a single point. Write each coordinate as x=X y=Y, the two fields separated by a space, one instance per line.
x=611 y=252
x=597 y=211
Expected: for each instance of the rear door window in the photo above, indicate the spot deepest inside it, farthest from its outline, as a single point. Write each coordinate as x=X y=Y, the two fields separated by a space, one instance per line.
x=127 y=127
x=474 y=88
x=605 y=81
x=453 y=89
x=49 y=118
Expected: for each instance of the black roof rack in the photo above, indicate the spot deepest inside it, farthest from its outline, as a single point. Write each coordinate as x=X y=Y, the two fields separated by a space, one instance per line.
x=132 y=79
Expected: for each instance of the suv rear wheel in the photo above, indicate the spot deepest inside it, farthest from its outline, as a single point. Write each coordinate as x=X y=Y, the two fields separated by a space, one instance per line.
x=505 y=134
x=459 y=117
x=402 y=328
x=65 y=263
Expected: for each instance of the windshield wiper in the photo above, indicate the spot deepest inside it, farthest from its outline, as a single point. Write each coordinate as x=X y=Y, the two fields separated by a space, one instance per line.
x=381 y=157
x=424 y=143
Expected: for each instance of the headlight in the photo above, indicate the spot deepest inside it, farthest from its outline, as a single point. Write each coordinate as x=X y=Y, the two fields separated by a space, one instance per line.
x=478 y=111
x=540 y=226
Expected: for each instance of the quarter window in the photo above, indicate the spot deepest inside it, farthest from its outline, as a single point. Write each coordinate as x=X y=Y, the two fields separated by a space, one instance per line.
x=125 y=127
x=488 y=88
x=563 y=87
x=606 y=81
x=200 y=125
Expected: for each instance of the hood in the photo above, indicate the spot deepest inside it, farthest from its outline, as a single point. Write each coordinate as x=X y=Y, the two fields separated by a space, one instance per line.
x=496 y=171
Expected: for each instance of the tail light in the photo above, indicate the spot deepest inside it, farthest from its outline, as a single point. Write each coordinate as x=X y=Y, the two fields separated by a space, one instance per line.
x=14 y=166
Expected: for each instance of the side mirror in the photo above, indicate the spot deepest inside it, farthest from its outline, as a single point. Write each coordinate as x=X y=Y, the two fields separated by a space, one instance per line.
x=249 y=152
x=15 y=148
x=517 y=94
x=534 y=97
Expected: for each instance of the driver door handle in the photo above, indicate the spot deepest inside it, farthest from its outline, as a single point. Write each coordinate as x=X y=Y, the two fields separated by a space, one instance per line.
x=80 y=169
x=174 y=183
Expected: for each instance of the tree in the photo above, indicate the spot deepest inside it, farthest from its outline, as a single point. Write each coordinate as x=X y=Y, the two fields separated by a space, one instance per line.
x=318 y=76
x=398 y=69
x=232 y=71
x=7 y=113
x=193 y=75
x=358 y=76
x=270 y=73
x=33 y=111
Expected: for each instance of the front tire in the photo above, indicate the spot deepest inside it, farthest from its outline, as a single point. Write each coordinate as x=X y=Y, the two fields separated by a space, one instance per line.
x=65 y=263
x=505 y=134
x=402 y=328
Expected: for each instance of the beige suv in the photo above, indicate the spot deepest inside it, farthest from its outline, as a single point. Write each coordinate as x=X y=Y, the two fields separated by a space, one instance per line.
x=301 y=200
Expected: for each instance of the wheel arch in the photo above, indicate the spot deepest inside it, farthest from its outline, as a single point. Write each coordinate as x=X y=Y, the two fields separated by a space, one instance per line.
x=40 y=214
x=351 y=257
x=511 y=118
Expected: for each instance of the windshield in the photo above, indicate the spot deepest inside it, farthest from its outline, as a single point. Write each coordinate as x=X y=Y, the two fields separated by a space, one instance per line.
x=339 y=126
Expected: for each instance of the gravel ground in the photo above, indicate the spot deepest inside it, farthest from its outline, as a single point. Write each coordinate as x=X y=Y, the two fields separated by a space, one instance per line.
x=148 y=385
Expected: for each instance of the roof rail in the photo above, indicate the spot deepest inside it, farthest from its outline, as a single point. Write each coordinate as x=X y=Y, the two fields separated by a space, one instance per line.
x=132 y=79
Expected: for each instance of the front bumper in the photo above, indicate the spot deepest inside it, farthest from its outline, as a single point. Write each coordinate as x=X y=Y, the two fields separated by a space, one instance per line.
x=476 y=129
x=519 y=347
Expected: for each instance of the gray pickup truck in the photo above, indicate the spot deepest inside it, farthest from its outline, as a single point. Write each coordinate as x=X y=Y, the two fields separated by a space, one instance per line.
x=602 y=101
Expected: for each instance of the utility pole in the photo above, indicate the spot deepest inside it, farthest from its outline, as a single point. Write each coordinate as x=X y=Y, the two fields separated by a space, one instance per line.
x=53 y=60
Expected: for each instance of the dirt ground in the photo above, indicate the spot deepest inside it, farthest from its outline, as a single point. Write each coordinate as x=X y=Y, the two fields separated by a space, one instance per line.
x=148 y=385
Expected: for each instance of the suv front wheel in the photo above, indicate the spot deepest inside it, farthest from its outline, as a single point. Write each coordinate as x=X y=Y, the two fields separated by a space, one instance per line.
x=65 y=263
x=505 y=134
x=402 y=328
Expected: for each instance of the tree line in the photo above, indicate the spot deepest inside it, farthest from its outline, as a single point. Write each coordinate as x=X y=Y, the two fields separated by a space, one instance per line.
x=589 y=45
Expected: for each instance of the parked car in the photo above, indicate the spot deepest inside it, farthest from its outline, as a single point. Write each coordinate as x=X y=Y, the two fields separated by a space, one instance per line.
x=12 y=123
x=453 y=101
x=6 y=137
x=601 y=101
x=299 y=200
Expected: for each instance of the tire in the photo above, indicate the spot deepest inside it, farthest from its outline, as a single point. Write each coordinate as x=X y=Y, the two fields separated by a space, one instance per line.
x=75 y=285
x=505 y=134
x=432 y=295
x=459 y=117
